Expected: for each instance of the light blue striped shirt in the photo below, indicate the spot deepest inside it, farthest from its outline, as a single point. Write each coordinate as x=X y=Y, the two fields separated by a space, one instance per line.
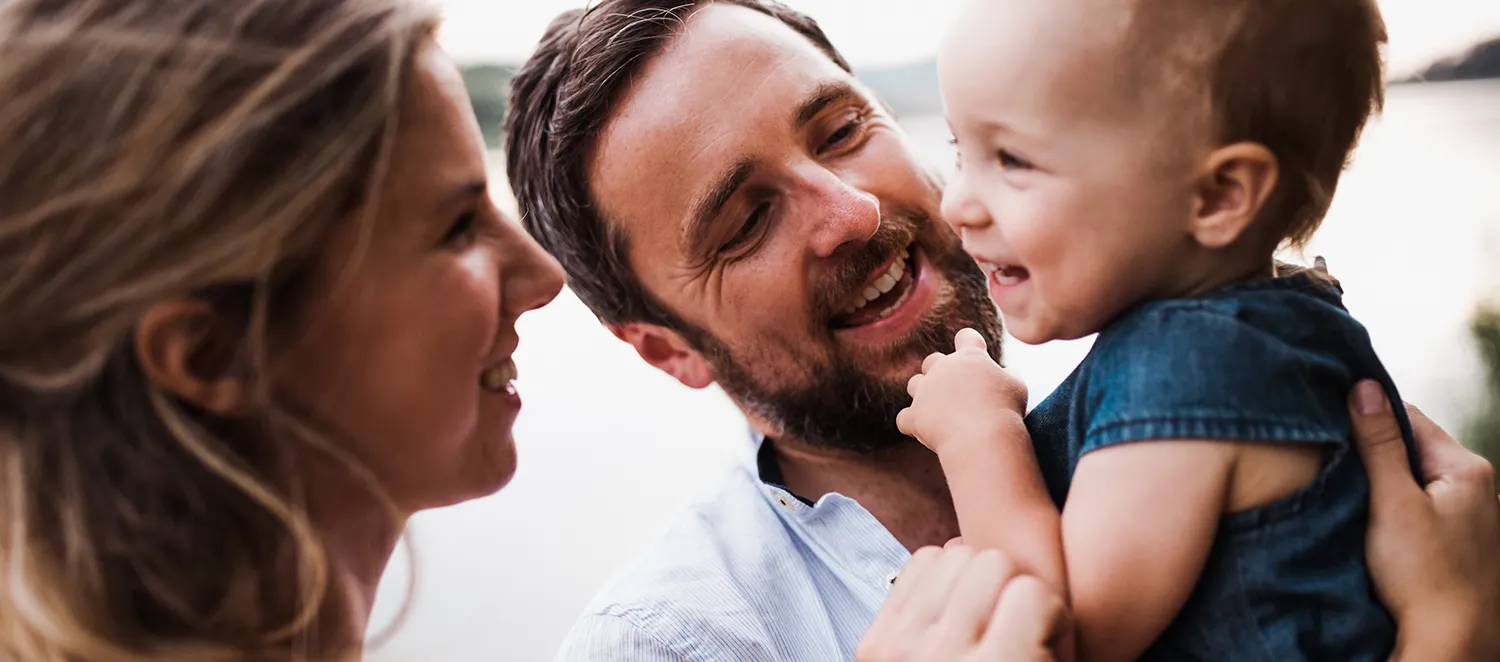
x=749 y=574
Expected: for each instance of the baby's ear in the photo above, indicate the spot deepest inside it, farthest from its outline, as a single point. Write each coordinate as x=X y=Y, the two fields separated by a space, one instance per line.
x=1236 y=182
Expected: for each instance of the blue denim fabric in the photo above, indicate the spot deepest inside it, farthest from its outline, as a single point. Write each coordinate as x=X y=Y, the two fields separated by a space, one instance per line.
x=1265 y=362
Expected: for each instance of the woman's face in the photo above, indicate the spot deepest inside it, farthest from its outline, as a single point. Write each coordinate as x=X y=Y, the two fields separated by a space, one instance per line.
x=404 y=355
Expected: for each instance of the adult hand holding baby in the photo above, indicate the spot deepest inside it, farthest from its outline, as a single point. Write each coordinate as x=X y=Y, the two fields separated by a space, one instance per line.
x=957 y=604
x=1430 y=545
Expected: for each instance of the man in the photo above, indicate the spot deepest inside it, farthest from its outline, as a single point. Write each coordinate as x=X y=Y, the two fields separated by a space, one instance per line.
x=731 y=202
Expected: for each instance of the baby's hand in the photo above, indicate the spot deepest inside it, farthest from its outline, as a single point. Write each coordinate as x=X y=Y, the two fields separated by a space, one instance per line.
x=961 y=396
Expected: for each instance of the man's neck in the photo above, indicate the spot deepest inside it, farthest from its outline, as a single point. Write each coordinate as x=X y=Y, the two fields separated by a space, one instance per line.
x=903 y=486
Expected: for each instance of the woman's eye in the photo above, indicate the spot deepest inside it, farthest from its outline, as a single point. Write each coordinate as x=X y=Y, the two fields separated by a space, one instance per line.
x=463 y=230
x=1012 y=162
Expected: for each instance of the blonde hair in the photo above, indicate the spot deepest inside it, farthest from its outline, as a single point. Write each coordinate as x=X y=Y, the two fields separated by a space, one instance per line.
x=149 y=150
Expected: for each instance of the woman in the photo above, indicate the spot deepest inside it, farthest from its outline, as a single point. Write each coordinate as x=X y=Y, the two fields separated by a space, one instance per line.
x=256 y=309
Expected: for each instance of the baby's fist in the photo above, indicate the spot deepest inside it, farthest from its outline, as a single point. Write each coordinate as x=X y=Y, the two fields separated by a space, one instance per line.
x=962 y=394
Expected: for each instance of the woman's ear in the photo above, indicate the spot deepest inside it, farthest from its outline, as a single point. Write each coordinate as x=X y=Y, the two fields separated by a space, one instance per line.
x=667 y=350
x=185 y=349
x=1236 y=183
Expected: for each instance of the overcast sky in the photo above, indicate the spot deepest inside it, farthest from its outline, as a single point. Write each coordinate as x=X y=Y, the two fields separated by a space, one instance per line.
x=872 y=32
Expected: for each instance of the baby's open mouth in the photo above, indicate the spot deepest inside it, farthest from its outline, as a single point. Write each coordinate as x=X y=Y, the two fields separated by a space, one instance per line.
x=882 y=295
x=1004 y=275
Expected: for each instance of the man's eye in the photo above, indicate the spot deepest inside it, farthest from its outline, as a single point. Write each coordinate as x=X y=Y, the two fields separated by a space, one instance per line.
x=1012 y=162
x=845 y=133
x=841 y=135
x=748 y=228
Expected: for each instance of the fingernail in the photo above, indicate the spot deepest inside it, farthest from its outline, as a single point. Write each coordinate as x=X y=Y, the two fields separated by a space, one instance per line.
x=1369 y=398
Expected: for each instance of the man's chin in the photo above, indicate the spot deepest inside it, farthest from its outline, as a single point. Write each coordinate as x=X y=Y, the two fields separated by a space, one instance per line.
x=841 y=407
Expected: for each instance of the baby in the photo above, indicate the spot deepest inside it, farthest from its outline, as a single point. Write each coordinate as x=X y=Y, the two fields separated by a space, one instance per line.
x=1129 y=167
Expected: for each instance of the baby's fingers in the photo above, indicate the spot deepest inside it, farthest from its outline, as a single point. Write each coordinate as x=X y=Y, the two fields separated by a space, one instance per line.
x=931 y=360
x=906 y=422
x=969 y=339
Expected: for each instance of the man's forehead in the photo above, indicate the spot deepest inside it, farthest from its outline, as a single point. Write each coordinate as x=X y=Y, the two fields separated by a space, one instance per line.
x=726 y=87
x=722 y=46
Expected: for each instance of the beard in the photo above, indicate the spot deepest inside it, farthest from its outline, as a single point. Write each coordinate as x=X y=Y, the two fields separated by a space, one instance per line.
x=842 y=404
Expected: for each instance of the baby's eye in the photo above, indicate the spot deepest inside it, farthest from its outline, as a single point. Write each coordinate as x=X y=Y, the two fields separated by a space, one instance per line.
x=1012 y=162
x=958 y=156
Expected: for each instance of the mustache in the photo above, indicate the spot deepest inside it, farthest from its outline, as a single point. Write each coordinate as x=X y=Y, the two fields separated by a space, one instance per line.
x=897 y=231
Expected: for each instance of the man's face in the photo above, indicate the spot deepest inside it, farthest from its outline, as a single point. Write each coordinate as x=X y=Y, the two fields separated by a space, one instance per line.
x=772 y=205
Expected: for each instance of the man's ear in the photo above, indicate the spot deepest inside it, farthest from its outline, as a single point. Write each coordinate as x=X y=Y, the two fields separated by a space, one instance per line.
x=665 y=349
x=1237 y=181
x=185 y=349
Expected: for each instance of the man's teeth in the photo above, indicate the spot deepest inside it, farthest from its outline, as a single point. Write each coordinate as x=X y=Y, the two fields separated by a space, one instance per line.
x=495 y=378
x=882 y=285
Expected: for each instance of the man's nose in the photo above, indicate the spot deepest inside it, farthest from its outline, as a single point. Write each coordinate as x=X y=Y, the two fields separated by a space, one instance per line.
x=848 y=215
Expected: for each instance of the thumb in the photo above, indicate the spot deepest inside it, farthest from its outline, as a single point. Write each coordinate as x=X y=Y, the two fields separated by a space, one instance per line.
x=968 y=338
x=1381 y=447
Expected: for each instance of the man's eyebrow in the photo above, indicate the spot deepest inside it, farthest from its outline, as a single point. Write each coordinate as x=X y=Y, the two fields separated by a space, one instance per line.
x=708 y=207
x=823 y=96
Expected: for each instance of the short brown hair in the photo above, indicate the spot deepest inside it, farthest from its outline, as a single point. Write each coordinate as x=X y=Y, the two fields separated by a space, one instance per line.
x=560 y=102
x=1299 y=77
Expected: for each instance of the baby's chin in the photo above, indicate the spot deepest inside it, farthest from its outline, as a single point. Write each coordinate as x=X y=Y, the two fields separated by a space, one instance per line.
x=1031 y=331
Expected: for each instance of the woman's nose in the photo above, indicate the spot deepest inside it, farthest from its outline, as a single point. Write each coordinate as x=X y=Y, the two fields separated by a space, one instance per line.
x=532 y=278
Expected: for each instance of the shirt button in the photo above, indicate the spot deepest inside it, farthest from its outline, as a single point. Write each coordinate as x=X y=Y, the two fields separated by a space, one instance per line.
x=890 y=580
x=784 y=502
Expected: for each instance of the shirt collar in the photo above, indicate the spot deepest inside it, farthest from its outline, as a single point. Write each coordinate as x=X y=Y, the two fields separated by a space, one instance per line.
x=842 y=530
x=769 y=470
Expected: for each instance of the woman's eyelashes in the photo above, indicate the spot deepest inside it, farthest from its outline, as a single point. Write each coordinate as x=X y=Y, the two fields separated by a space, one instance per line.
x=463 y=230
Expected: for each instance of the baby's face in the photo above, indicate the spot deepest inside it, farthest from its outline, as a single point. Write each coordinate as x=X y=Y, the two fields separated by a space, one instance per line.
x=1069 y=193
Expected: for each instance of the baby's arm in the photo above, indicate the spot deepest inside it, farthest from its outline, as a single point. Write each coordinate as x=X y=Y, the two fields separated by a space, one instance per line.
x=966 y=403
x=1001 y=500
x=1140 y=519
x=1137 y=528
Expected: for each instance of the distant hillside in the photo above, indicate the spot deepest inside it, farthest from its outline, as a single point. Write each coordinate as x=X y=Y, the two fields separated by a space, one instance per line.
x=489 y=90
x=910 y=89
x=1483 y=61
